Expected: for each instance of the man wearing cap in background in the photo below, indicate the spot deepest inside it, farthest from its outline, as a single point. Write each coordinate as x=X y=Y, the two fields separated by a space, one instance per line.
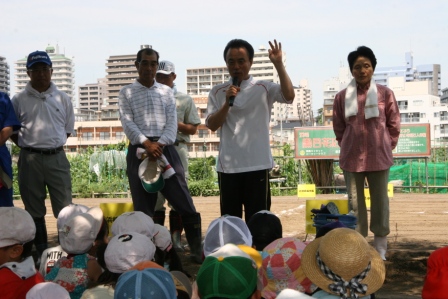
x=148 y=115
x=187 y=124
x=47 y=118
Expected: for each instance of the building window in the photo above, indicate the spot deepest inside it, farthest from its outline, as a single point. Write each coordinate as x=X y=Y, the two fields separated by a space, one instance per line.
x=104 y=135
x=87 y=136
x=119 y=135
x=202 y=133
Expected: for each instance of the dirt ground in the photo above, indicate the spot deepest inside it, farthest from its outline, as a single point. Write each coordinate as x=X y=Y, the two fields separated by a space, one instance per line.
x=418 y=227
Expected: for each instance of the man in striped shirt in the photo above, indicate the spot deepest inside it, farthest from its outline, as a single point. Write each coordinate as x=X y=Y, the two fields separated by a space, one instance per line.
x=149 y=119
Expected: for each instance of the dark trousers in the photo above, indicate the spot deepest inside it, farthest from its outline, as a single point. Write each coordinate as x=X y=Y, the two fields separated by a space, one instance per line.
x=248 y=189
x=175 y=189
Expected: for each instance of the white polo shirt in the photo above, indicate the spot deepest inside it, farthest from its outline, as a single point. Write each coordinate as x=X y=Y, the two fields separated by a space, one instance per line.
x=244 y=135
x=46 y=117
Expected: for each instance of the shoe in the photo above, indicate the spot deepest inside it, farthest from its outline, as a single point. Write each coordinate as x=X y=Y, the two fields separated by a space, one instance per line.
x=330 y=208
x=193 y=232
x=176 y=228
x=380 y=244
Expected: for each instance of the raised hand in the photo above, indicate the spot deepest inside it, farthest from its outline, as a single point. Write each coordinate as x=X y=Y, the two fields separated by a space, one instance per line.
x=275 y=52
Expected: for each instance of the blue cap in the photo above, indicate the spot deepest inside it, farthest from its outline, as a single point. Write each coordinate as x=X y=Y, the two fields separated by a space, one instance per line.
x=37 y=56
x=150 y=283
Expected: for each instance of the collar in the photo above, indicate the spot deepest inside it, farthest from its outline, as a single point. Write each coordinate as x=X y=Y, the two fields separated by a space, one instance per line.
x=24 y=269
x=154 y=85
x=29 y=88
x=246 y=82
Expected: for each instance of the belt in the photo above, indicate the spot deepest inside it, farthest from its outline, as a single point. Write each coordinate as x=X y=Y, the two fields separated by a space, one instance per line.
x=153 y=139
x=44 y=151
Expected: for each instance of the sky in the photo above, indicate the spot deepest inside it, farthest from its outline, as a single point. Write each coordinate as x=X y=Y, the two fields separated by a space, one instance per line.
x=315 y=35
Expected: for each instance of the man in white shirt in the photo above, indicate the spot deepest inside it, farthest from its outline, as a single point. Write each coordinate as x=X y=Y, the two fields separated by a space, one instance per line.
x=244 y=152
x=148 y=115
x=47 y=119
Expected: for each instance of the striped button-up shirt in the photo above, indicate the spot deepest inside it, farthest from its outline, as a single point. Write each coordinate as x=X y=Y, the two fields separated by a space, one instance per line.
x=367 y=144
x=148 y=112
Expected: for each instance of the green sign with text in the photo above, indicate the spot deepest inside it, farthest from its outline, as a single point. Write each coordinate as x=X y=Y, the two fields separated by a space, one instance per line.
x=320 y=142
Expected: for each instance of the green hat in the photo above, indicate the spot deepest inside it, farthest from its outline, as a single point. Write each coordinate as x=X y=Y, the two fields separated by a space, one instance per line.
x=229 y=273
x=150 y=174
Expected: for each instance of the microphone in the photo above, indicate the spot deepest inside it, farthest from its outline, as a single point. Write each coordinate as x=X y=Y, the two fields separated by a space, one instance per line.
x=232 y=98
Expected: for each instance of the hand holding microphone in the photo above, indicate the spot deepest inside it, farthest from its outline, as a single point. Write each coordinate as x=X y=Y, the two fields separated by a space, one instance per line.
x=234 y=83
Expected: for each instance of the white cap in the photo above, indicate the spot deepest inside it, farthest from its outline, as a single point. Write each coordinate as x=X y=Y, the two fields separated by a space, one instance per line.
x=226 y=229
x=165 y=67
x=127 y=250
x=47 y=290
x=16 y=226
x=162 y=237
x=135 y=221
x=79 y=233
x=292 y=294
x=69 y=212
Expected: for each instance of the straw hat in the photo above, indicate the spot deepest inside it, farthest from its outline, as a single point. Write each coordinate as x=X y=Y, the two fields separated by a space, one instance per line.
x=347 y=254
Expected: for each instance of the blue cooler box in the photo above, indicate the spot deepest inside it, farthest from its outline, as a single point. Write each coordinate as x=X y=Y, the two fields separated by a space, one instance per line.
x=320 y=220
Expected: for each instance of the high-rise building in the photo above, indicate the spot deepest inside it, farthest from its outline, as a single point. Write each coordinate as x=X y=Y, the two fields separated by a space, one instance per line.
x=417 y=104
x=426 y=72
x=201 y=80
x=92 y=96
x=63 y=72
x=120 y=71
x=4 y=75
x=331 y=88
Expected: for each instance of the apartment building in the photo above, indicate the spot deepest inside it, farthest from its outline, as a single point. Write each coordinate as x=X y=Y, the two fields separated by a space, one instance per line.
x=331 y=87
x=4 y=75
x=92 y=95
x=63 y=72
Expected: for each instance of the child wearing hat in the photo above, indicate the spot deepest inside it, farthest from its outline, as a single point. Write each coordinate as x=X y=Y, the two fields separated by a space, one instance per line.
x=139 y=222
x=224 y=230
x=436 y=280
x=79 y=237
x=17 y=271
x=281 y=268
x=146 y=282
x=47 y=290
x=228 y=273
x=51 y=255
x=118 y=256
x=343 y=265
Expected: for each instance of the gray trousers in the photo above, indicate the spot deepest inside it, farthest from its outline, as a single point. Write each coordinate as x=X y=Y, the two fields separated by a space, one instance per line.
x=379 y=207
x=37 y=172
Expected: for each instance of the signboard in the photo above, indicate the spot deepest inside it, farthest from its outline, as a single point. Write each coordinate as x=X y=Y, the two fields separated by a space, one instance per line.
x=320 y=142
x=306 y=190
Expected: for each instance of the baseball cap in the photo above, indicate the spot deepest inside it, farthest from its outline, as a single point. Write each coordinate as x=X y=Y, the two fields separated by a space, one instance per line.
x=228 y=272
x=16 y=226
x=149 y=283
x=281 y=268
x=165 y=67
x=135 y=221
x=253 y=253
x=47 y=290
x=126 y=250
x=226 y=229
x=78 y=234
x=292 y=294
x=68 y=212
x=264 y=227
x=162 y=237
x=150 y=173
x=37 y=56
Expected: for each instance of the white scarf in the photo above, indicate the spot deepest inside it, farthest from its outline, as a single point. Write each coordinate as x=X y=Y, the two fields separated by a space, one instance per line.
x=351 y=100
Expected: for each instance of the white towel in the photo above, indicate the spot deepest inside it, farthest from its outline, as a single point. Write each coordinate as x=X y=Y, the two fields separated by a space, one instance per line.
x=167 y=170
x=351 y=100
